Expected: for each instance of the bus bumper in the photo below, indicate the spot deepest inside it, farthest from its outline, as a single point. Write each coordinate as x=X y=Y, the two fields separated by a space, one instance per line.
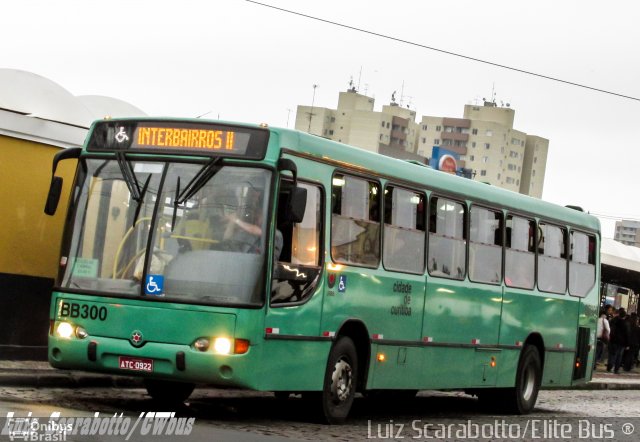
x=153 y=360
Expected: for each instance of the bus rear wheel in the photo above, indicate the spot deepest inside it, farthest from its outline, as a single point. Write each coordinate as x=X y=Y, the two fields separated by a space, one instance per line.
x=168 y=392
x=341 y=377
x=520 y=399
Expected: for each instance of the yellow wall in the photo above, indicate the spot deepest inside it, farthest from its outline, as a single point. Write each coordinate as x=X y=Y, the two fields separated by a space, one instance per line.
x=29 y=239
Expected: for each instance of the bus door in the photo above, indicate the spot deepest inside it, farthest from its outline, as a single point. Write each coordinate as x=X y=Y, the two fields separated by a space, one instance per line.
x=293 y=341
x=463 y=306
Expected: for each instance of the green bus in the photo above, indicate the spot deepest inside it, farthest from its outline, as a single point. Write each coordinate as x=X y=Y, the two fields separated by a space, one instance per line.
x=245 y=256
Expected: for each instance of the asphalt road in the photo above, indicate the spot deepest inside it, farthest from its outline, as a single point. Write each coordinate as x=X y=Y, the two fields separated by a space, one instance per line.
x=232 y=415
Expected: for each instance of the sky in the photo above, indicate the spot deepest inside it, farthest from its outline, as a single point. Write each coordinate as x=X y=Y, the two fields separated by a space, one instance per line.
x=241 y=61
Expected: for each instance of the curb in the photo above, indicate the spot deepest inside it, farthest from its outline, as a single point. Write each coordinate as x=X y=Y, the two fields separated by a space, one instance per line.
x=606 y=386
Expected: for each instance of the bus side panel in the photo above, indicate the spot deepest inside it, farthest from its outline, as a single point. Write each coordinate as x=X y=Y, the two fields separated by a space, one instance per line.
x=293 y=361
x=293 y=365
x=460 y=325
x=396 y=314
x=553 y=317
x=390 y=306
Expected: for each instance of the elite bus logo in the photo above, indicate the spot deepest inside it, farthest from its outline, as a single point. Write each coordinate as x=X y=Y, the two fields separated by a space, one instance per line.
x=136 y=338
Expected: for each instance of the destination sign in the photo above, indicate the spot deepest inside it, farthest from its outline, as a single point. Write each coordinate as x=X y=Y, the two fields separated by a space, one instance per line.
x=179 y=137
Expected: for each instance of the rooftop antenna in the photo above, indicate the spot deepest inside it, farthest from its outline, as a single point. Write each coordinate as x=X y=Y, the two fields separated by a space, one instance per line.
x=288 y=114
x=409 y=103
x=352 y=88
x=313 y=99
x=359 y=77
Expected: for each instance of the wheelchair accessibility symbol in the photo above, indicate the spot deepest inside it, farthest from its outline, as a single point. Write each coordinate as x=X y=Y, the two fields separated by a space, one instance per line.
x=342 y=283
x=154 y=285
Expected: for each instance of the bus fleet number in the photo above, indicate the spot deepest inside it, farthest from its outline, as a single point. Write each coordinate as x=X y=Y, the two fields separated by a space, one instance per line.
x=84 y=311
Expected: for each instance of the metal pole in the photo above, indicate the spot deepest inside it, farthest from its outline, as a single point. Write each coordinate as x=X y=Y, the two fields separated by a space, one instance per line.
x=312 y=102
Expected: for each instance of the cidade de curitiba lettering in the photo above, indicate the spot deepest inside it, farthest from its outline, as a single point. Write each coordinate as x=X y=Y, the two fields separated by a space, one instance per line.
x=403 y=309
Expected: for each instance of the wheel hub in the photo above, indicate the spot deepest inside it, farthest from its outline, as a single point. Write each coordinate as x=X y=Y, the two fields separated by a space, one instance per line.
x=341 y=381
x=529 y=383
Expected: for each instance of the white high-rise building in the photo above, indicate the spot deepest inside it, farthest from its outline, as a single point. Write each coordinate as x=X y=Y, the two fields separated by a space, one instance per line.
x=484 y=138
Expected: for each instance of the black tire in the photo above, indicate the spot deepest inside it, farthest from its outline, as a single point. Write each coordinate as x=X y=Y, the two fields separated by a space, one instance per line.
x=528 y=379
x=168 y=392
x=520 y=399
x=340 y=380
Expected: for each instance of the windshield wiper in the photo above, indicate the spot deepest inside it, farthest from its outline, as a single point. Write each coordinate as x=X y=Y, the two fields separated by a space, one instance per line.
x=175 y=204
x=197 y=182
x=142 y=193
x=129 y=177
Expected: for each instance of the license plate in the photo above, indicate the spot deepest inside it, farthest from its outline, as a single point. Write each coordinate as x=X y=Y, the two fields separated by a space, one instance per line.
x=135 y=364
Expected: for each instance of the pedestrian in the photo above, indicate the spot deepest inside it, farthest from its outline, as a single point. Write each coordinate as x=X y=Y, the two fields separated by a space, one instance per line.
x=631 y=355
x=602 y=335
x=618 y=341
x=608 y=308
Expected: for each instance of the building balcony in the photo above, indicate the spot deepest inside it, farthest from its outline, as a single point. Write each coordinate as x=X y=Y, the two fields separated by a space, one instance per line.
x=454 y=136
x=463 y=123
x=399 y=134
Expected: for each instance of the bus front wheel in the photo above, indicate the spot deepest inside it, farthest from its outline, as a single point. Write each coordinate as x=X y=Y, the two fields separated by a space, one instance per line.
x=340 y=381
x=168 y=392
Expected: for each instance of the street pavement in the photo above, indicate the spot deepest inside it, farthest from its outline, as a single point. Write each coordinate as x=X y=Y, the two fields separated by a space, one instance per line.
x=41 y=374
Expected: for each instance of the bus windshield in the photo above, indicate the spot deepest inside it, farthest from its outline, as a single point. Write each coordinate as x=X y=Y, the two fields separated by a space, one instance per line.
x=189 y=233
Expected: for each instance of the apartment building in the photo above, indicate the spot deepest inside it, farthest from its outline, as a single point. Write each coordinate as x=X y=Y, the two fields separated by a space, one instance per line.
x=488 y=144
x=628 y=232
x=484 y=138
x=392 y=131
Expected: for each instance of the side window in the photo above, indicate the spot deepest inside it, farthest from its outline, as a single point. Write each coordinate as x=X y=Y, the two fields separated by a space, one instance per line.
x=520 y=256
x=447 y=241
x=552 y=259
x=485 y=245
x=297 y=268
x=355 y=221
x=404 y=230
x=582 y=267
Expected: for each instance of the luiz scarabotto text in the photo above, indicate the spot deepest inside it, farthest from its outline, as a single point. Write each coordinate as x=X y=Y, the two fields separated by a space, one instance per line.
x=500 y=429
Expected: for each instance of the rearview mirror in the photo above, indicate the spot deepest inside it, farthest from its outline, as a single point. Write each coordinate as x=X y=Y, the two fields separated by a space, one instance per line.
x=297 y=204
x=297 y=201
x=55 y=190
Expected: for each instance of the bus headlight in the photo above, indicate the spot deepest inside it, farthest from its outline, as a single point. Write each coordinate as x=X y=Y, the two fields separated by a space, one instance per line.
x=64 y=330
x=222 y=346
